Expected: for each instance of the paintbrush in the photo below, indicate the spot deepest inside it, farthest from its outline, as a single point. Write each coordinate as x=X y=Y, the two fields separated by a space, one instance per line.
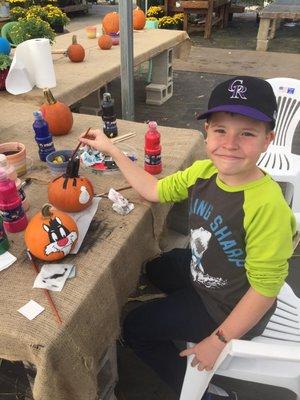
x=79 y=144
x=47 y=294
x=104 y=194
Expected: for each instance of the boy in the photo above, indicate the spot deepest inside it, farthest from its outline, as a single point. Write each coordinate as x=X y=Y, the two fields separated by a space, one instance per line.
x=225 y=285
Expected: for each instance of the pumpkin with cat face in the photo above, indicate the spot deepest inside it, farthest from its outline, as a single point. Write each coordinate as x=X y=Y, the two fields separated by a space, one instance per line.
x=50 y=234
x=71 y=192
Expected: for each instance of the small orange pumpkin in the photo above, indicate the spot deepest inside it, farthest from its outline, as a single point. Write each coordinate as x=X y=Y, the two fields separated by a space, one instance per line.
x=139 y=19
x=57 y=114
x=105 y=42
x=71 y=192
x=50 y=234
x=75 y=51
x=110 y=23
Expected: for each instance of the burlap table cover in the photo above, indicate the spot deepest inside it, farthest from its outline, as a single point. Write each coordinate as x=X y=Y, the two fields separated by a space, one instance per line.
x=107 y=268
x=77 y=80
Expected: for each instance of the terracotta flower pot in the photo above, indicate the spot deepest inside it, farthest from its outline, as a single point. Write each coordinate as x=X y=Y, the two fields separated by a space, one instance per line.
x=16 y=156
x=3 y=75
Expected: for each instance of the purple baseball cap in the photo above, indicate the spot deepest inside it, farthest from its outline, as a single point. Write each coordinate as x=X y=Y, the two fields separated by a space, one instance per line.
x=245 y=95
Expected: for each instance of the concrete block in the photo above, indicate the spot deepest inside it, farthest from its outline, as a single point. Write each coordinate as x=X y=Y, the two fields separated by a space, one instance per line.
x=162 y=70
x=156 y=94
x=170 y=89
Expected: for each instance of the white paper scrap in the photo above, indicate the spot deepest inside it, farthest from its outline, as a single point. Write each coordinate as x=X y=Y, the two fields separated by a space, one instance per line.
x=31 y=310
x=6 y=260
x=83 y=220
x=53 y=276
x=120 y=204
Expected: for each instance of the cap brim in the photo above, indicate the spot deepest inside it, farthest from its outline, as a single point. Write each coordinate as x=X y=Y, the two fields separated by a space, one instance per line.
x=243 y=110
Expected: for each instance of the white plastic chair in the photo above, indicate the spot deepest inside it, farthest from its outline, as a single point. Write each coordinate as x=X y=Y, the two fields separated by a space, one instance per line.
x=278 y=160
x=272 y=358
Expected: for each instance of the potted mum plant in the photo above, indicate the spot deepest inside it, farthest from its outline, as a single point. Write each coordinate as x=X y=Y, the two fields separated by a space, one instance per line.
x=167 y=22
x=56 y=18
x=32 y=28
x=5 y=62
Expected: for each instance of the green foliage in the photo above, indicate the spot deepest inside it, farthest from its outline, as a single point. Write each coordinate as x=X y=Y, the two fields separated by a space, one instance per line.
x=30 y=29
x=5 y=62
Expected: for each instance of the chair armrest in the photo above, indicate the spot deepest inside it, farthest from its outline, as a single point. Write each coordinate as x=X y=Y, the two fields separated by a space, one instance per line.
x=250 y=349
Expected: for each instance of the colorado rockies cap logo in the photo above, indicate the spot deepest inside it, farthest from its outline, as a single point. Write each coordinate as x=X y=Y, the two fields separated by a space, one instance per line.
x=237 y=89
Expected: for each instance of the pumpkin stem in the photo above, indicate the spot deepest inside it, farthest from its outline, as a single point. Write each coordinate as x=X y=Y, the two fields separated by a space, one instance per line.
x=46 y=210
x=49 y=96
x=74 y=39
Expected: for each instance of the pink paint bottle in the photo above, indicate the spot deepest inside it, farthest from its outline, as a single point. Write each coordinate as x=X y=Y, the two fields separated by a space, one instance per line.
x=14 y=217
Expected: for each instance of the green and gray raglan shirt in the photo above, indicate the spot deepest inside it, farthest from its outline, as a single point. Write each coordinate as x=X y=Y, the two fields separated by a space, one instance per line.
x=241 y=236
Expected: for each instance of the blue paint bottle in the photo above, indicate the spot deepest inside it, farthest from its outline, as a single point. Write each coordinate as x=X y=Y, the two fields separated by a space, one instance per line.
x=42 y=135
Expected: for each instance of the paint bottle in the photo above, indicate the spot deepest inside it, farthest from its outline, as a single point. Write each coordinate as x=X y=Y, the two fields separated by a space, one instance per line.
x=12 y=174
x=109 y=116
x=42 y=135
x=4 y=243
x=14 y=217
x=152 y=163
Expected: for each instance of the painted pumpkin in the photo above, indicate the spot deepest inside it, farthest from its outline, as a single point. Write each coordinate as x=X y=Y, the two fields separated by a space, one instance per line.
x=50 y=234
x=71 y=192
x=105 y=42
x=57 y=114
x=139 y=19
x=111 y=23
x=75 y=52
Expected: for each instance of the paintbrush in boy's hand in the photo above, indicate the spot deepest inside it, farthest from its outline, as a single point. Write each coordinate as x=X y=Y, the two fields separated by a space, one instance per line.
x=79 y=144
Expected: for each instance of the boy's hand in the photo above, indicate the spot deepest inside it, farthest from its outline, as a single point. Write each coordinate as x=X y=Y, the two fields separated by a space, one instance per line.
x=97 y=140
x=206 y=352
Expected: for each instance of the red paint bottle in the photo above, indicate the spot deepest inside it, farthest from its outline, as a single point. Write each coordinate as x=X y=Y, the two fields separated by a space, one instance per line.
x=14 y=217
x=152 y=163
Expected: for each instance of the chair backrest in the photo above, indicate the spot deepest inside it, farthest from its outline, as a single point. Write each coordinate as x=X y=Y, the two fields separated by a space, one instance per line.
x=284 y=324
x=287 y=92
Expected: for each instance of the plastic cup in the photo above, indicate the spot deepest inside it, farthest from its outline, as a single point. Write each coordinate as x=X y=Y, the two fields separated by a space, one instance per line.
x=91 y=32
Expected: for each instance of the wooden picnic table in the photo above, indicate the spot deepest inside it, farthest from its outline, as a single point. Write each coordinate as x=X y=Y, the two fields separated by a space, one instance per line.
x=270 y=18
x=107 y=266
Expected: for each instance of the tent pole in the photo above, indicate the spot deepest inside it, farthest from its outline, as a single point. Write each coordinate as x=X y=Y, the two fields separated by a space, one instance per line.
x=126 y=39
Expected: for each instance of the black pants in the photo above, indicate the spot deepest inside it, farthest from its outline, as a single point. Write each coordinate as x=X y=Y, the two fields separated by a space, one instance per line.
x=150 y=329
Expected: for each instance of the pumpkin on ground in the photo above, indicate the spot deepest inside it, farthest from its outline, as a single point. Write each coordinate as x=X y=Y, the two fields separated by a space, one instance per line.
x=75 y=51
x=50 y=234
x=139 y=19
x=71 y=192
x=110 y=23
x=57 y=114
x=105 y=42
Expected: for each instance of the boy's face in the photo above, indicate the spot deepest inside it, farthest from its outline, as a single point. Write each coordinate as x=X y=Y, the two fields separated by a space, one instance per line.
x=234 y=144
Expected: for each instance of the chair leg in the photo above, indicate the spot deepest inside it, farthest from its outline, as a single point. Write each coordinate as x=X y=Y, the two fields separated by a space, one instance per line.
x=185 y=21
x=208 y=22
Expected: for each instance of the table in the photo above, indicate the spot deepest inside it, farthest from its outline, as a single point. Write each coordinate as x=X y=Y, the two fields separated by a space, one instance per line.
x=270 y=18
x=220 y=7
x=107 y=268
x=77 y=80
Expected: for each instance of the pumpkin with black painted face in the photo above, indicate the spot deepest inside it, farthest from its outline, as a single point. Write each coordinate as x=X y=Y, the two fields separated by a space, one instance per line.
x=71 y=192
x=50 y=234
